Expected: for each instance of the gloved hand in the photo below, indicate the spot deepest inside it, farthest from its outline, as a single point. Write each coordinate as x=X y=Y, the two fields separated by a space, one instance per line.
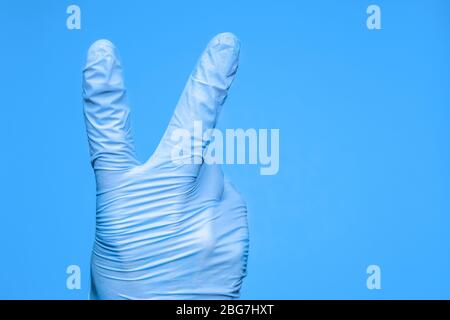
x=164 y=230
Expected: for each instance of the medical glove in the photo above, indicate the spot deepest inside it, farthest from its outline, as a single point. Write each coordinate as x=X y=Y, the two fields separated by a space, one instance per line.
x=164 y=229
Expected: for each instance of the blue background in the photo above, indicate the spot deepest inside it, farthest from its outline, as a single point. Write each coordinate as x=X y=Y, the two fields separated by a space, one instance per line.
x=364 y=135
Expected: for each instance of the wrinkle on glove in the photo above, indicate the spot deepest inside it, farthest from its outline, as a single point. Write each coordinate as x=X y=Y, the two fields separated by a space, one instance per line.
x=163 y=230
